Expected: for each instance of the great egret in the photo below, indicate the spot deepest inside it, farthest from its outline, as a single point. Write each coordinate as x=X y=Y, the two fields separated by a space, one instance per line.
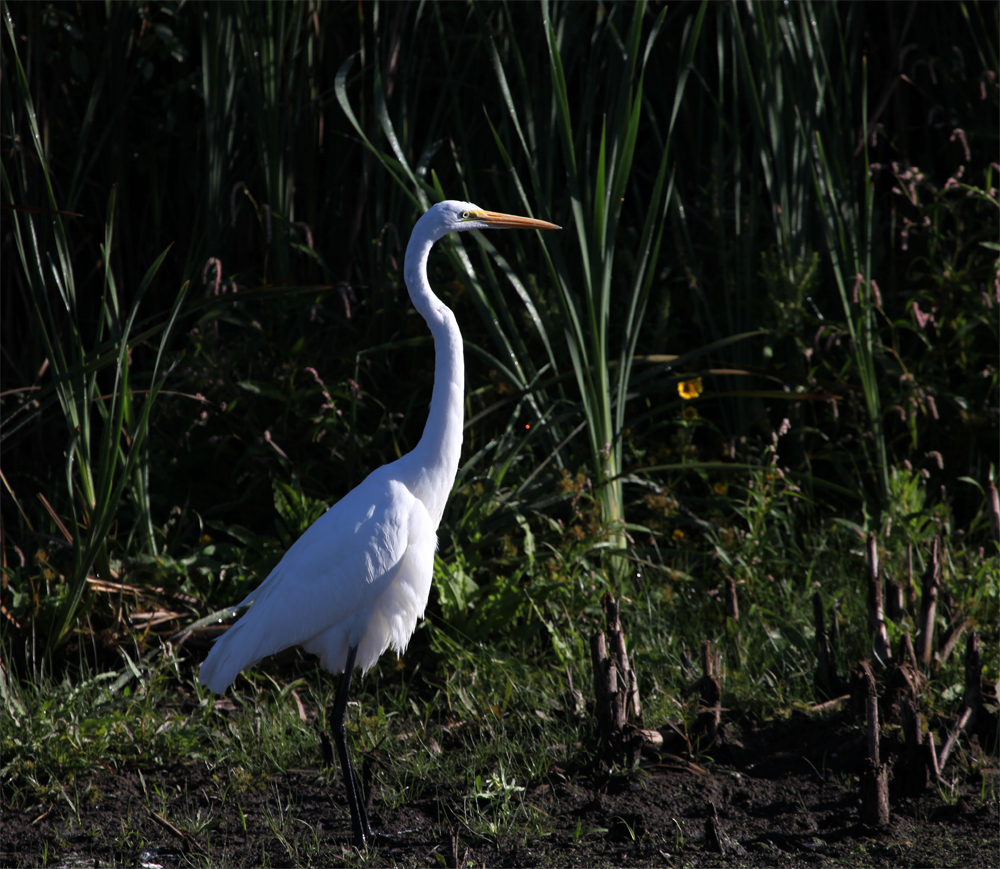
x=357 y=581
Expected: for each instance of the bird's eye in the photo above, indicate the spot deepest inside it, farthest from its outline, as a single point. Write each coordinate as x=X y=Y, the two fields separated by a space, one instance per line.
x=466 y=215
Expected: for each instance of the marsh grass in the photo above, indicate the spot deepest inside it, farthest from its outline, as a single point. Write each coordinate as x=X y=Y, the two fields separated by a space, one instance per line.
x=768 y=327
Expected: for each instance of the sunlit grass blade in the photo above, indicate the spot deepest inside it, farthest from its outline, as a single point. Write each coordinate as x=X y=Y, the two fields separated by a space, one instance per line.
x=395 y=169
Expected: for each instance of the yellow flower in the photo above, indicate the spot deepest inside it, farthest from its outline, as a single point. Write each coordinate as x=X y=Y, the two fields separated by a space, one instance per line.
x=689 y=389
x=720 y=488
x=690 y=413
x=678 y=535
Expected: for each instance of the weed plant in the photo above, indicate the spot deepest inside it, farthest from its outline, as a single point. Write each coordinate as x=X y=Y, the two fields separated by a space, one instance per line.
x=768 y=327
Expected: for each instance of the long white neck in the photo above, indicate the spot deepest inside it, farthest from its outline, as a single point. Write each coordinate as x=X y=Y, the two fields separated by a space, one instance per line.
x=432 y=465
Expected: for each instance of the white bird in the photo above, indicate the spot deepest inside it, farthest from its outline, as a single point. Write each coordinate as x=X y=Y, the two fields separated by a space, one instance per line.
x=358 y=579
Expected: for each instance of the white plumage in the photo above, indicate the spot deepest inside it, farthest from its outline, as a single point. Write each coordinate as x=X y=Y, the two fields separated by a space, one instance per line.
x=360 y=575
x=357 y=581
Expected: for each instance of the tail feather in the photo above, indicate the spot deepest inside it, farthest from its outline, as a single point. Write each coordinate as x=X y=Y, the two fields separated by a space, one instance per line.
x=229 y=655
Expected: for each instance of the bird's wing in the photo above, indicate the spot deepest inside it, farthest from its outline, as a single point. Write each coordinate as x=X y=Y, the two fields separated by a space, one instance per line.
x=332 y=576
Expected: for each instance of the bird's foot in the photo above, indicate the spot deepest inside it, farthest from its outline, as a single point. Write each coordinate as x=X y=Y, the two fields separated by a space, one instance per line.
x=382 y=840
x=395 y=839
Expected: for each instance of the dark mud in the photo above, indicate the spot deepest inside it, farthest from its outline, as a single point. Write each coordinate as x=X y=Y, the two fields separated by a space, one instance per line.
x=785 y=794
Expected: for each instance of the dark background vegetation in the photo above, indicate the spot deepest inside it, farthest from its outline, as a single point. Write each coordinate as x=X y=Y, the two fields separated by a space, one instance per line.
x=816 y=180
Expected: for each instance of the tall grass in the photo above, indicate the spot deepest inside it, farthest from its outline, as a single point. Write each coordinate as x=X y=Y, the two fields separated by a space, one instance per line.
x=105 y=455
x=579 y=166
x=704 y=161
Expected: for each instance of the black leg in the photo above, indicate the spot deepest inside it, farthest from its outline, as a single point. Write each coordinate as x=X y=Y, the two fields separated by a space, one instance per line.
x=359 y=818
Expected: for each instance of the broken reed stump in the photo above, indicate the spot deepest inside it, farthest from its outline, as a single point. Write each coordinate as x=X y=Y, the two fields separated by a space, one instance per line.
x=902 y=683
x=874 y=773
x=973 y=717
x=901 y=704
x=706 y=728
x=716 y=839
x=928 y=605
x=876 y=613
x=932 y=755
x=616 y=692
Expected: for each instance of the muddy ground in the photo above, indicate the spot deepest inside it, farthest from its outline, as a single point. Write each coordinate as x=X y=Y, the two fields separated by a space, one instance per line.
x=786 y=794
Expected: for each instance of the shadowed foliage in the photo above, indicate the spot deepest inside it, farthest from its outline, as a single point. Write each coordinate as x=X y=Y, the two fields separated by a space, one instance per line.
x=768 y=329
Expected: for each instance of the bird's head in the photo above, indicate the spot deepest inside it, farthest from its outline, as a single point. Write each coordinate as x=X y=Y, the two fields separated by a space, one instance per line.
x=454 y=216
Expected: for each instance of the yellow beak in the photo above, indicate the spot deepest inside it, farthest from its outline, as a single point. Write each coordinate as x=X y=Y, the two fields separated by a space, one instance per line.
x=512 y=221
